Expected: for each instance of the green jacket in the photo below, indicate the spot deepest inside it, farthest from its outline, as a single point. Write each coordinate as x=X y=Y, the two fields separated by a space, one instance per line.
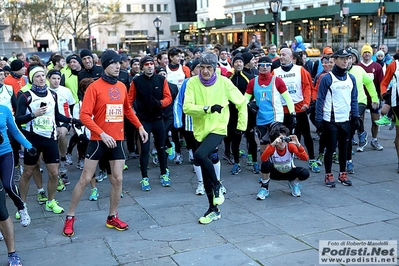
x=71 y=82
x=197 y=96
x=362 y=78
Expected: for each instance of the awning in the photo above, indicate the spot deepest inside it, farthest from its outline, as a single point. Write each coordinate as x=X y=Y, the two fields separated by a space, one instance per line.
x=232 y=28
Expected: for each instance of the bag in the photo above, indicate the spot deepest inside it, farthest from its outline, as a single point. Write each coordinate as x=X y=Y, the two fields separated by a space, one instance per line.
x=252 y=107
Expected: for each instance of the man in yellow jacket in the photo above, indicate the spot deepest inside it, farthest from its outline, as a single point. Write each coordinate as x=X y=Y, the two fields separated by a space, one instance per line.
x=205 y=100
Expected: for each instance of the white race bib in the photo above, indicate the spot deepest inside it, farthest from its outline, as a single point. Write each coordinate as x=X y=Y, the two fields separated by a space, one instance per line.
x=114 y=113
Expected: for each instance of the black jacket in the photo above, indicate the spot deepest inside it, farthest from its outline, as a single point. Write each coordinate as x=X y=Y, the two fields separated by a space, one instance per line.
x=94 y=73
x=124 y=78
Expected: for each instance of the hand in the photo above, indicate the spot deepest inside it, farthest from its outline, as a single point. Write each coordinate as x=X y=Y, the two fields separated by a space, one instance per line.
x=374 y=105
x=155 y=102
x=76 y=122
x=319 y=125
x=305 y=107
x=276 y=142
x=216 y=108
x=108 y=140
x=293 y=121
x=355 y=123
x=294 y=139
x=238 y=132
x=32 y=151
x=143 y=134
x=40 y=111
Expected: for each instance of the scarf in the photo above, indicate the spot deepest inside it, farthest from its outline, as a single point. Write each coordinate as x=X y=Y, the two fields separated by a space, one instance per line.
x=15 y=75
x=109 y=79
x=287 y=67
x=208 y=82
x=39 y=89
x=381 y=62
x=173 y=67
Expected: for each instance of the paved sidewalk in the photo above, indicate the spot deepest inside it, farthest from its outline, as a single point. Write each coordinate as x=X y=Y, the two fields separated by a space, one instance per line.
x=164 y=228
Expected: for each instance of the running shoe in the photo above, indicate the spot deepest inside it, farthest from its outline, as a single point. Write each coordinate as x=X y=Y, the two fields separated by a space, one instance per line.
x=68 y=159
x=165 y=181
x=63 y=168
x=335 y=158
x=362 y=141
x=295 y=188
x=314 y=166
x=81 y=164
x=343 y=179
x=21 y=154
x=222 y=188
x=1 y=237
x=242 y=154
x=256 y=168
x=101 y=176
x=263 y=193
x=236 y=169
x=14 y=260
x=17 y=173
x=249 y=160
x=133 y=155
x=114 y=222
x=60 y=185
x=171 y=152
x=24 y=216
x=42 y=197
x=145 y=184
x=68 y=226
x=200 y=189
x=218 y=197
x=350 y=168
x=229 y=158
x=210 y=216
x=320 y=159
x=190 y=156
x=52 y=206
x=376 y=145
x=178 y=159
x=354 y=142
x=183 y=143
x=94 y=194
x=154 y=156
x=392 y=126
x=65 y=180
x=383 y=121
x=329 y=180
x=125 y=167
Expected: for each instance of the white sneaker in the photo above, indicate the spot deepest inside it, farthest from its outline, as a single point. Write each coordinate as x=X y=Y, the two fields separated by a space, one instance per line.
x=376 y=145
x=63 y=169
x=25 y=218
x=190 y=156
x=68 y=159
x=1 y=237
x=200 y=189
x=81 y=164
x=178 y=159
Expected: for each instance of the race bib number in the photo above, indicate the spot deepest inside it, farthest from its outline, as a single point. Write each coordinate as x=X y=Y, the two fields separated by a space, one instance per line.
x=291 y=88
x=114 y=113
x=43 y=122
x=283 y=168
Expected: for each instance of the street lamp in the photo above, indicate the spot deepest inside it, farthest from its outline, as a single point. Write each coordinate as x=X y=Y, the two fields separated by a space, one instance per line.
x=383 y=21
x=157 y=24
x=275 y=6
x=74 y=42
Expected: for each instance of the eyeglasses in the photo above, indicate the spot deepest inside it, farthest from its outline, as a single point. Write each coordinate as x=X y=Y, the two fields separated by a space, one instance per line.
x=149 y=64
x=265 y=64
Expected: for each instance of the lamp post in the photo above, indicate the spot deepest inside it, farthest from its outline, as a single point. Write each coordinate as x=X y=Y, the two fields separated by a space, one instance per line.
x=275 y=6
x=157 y=24
x=74 y=42
x=383 y=21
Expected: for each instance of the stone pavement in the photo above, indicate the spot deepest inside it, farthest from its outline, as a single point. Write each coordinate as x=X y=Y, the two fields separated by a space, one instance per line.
x=164 y=228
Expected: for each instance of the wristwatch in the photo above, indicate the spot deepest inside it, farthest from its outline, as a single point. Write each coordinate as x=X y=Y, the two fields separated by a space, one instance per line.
x=32 y=115
x=206 y=108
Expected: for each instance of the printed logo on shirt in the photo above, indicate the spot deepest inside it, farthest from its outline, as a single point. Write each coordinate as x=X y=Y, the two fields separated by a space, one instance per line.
x=288 y=75
x=114 y=94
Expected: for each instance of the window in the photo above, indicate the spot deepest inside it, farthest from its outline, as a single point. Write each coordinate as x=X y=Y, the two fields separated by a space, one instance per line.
x=389 y=27
x=151 y=8
x=165 y=8
x=111 y=33
x=158 y=8
x=143 y=8
x=128 y=8
x=161 y=32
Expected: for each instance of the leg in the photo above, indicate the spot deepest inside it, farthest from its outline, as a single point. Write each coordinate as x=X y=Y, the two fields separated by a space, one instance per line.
x=62 y=140
x=116 y=182
x=52 y=183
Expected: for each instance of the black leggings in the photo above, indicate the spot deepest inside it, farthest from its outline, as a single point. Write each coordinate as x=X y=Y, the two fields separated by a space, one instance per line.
x=233 y=139
x=6 y=176
x=16 y=146
x=157 y=128
x=73 y=141
x=203 y=158
x=302 y=129
x=131 y=135
x=336 y=133
x=3 y=208
x=297 y=172
x=250 y=136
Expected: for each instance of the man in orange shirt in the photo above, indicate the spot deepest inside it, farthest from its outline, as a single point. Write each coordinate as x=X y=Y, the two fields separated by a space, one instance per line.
x=17 y=79
x=103 y=108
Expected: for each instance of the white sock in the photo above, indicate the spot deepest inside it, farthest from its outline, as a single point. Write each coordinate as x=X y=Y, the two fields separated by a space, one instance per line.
x=198 y=173
x=40 y=190
x=217 y=169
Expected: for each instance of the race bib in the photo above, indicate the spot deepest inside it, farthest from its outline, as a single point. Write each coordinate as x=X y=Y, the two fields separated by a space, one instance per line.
x=291 y=88
x=114 y=113
x=43 y=122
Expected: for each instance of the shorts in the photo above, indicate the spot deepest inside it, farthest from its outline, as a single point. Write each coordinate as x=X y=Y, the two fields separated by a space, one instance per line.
x=373 y=111
x=66 y=125
x=97 y=148
x=48 y=147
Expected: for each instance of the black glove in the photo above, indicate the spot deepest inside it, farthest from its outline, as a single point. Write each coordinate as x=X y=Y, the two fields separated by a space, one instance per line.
x=319 y=125
x=76 y=122
x=216 y=108
x=1 y=138
x=32 y=151
x=155 y=102
x=252 y=107
x=355 y=123
x=293 y=121
x=238 y=132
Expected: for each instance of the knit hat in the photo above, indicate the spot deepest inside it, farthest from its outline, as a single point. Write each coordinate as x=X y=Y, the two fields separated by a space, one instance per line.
x=238 y=57
x=374 y=46
x=124 y=57
x=53 y=72
x=17 y=65
x=209 y=58
x=379 y=53
x=33 y=72
x=356 y=53
x=247 y=56
x=145 y=59
x=194 y=64
x=328 y=50
x=367 y=48
x=265 y=59
x=160 y=69
x=85 y=52
x=74 y=56
x=109 y=57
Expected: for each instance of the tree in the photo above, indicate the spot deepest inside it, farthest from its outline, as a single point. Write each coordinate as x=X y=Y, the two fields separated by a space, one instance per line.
x=34 y=14
x=55 y=20
x=13 y=11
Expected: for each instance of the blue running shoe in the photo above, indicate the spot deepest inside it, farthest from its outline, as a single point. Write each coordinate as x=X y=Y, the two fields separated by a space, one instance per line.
x=350 y=168
x=314 y=166
x=295 y=188
x=171 y=152
x=263 y=193
x=236 y=169
x=14 y=260
x=362 y=141
x=145 y=184
x=165 y=181
x=256 y=168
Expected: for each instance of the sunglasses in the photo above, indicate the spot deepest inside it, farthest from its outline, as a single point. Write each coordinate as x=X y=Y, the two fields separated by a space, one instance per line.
x=265 y=64
x=149 y=64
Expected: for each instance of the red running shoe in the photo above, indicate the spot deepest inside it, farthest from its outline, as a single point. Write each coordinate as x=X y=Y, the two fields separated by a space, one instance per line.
x=68 y=226
x=114 y=222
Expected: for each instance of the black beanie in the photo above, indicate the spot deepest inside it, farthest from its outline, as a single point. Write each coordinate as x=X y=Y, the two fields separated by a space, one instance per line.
x=247 y=56
x=160 y=69
x=265 y=59
x=17 y=65
x=85 y=52
x=194 y=64
x=238 y=57
x=109 y=57
x=145 y=59
x=53 y=72
x=74 y=56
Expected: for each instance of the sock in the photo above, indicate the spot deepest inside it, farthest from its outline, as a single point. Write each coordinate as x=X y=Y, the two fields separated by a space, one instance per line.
x=374 y=139
x=11 y=253
x=216 y=166
x=110 y=217
x=198 y=173
x=265 y=183
x=40 y=190
x=69 y=217
x=63 y=158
